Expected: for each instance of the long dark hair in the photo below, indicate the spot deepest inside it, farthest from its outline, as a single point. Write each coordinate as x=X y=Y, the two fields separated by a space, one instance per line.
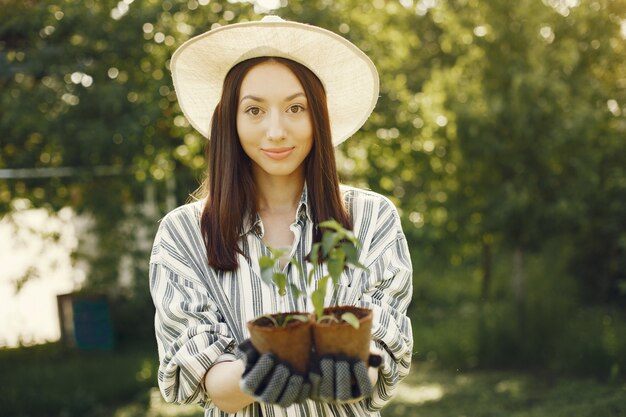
x=229 y=186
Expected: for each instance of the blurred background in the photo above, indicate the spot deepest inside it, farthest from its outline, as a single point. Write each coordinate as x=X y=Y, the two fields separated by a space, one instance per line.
x=500 y=133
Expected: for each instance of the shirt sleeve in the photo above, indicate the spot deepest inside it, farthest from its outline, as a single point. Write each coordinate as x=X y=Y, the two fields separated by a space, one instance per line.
x=387 y=290
x=190 y=332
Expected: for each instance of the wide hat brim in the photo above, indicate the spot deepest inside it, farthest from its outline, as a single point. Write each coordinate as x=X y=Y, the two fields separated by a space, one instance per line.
x=350 y=79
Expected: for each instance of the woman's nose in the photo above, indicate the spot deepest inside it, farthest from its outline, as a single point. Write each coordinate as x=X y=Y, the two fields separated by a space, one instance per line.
x=275 y=130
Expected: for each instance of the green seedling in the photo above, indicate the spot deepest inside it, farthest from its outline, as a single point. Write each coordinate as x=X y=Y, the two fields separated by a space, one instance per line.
x=337 y=249
x=281 y=320
x=349 y=318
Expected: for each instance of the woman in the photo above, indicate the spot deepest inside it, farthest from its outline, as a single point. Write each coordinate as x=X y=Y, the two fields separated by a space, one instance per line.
x=281 y=94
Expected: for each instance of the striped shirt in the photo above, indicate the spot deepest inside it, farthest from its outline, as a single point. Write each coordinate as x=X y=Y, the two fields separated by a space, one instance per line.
x=201 y=312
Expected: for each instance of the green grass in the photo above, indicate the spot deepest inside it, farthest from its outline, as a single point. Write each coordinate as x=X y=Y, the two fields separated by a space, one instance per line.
x=435 y=393
x=551 y=330
x=49 y=380
x=54 y=382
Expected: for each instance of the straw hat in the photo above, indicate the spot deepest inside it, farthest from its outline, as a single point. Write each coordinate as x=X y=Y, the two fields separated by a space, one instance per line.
x=350 y=79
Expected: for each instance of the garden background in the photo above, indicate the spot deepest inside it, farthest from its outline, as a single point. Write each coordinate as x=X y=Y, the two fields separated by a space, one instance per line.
x=500 y=133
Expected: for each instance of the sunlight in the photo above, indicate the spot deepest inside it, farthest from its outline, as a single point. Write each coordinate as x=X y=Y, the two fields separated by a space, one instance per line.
x=269 y=4
x=35 y=252
x=419 y=394
x=562 y=6
x=510 y=386
x=158 y=407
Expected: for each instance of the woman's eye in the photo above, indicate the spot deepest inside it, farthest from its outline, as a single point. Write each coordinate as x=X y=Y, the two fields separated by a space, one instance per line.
x=296 y=108
x=253 y=111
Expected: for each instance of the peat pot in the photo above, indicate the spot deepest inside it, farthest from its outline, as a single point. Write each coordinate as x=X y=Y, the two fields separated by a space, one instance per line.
x=290 y=343
x=336 y=336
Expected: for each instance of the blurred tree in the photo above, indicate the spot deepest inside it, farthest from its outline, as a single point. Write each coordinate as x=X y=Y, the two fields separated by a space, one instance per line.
x=531 y=99
x=89 y=117
x=496 y=125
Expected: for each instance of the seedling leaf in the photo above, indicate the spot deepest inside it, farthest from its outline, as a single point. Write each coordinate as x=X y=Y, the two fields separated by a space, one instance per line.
x=336 y=264
x=328 y=317
x=266 y=262
x=299 y=317
x=277 y=253
x=271 y=318
x=351 y=254
x=314 y=255
x=266 y=275
x=317 y=297
x=281 y=281
x=295 y=263
x=331 y=224
x=329 y=240
x=295 y=291
x=351 y=319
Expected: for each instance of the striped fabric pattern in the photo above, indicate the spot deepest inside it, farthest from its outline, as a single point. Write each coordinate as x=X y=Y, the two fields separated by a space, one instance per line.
x=201 y=312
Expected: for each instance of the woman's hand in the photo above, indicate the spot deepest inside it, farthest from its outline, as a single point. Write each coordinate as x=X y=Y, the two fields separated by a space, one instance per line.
x=222 y=386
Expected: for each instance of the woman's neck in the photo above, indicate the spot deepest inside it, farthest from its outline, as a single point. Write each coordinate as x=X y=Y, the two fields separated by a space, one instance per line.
x=278 y=195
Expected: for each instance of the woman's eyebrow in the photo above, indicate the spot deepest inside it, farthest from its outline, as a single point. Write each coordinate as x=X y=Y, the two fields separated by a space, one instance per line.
x=250 y=97
x=291 y=97
x=261 y=100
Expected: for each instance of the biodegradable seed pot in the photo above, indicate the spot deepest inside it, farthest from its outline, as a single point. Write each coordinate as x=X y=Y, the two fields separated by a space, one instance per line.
x=332 y=335
x=285 y=335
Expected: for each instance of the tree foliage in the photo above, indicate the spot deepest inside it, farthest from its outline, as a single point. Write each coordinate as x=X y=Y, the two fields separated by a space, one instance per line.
x=497 y=124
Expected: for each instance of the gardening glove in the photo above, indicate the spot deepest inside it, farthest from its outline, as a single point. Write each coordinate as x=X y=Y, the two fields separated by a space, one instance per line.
x=339 y=378
x=270 y=380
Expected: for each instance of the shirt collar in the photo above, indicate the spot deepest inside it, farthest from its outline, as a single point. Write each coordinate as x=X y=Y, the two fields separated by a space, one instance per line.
x=255 y=226
x=304 y=209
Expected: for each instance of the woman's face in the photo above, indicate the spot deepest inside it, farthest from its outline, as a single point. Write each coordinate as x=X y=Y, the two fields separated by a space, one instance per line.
x=273 y=121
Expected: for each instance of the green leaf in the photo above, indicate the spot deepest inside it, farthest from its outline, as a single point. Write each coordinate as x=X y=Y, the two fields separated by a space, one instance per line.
x=281 y=281
x=266 y=275
x=296 y=264
x=331 y=224
x=270 y=318
x=328 y=317
x=295 y=291
x=310 y=277
x=352 y=255
x=266 y=262
x=351 y=319
x=359 y=265
x=317 y=297
x=329 y=240
x=336 y=265
x=349 y=235
x=318 y=303
x=299 y=317
x=314 y=255
x=277 y=253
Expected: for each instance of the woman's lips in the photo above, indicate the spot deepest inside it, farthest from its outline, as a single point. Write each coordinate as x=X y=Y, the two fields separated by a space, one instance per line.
x=278 y=153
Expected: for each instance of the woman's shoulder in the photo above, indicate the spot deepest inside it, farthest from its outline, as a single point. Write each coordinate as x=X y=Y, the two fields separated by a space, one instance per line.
x=189 y=212
x=353 y=195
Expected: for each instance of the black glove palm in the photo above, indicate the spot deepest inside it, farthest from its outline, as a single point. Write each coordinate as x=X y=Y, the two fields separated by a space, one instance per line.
x=338 y=378
x=270 y=380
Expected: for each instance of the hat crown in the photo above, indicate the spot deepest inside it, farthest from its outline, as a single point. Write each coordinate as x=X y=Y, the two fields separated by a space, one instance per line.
x=272 y=18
